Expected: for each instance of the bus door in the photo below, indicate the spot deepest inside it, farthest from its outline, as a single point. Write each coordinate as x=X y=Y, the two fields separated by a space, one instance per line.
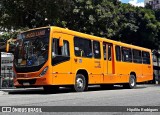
x=108 y=62
x=61 y=64
x=147 y=66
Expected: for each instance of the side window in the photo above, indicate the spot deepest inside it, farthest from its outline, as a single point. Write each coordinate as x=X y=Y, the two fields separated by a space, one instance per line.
x=109 y=51
x=118 y=53
x=65 y=48
x=82 y=47
x=146 y=57
x=96 y=50
x=137 y=56
x=57 y=50
x=126 y=54
x=104 y=51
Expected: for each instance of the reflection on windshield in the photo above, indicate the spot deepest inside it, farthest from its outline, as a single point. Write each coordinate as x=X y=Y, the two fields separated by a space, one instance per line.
x=31 y=52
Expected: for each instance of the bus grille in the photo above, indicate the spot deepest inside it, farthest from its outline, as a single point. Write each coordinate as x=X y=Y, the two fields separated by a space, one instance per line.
x=30 y=81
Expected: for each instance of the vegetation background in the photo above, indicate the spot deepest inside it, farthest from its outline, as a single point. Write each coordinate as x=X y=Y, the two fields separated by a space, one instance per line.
x=105 y=18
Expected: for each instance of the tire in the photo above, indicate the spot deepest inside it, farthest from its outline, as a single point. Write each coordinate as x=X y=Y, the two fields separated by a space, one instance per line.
x=50 y=89
x=132 y=82
x=80 y=83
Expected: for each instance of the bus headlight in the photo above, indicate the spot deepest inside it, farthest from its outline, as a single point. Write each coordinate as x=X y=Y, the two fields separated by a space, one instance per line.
x=44 y=71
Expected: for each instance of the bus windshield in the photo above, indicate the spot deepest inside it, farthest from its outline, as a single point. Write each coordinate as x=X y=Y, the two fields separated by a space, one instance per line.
x=32 y=48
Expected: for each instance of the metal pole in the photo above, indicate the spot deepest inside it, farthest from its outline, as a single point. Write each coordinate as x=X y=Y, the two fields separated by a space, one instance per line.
x=0 y=72
x=9 y=76
x=158 y=72
x=4 y=83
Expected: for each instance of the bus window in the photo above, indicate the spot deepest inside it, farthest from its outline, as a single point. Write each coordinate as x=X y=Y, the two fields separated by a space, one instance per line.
x=109 y=51
x=60 y=53
x=65 y=48
x=126 y=54
x=118 y=53
x=137 y=56
x=146 y=57
x=82 y=47
x=96 y=50
x=104 y=51
x=57 y=50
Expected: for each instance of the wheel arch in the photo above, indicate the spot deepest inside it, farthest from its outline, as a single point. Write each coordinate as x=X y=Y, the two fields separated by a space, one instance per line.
x=85 y=73
x=133 y=73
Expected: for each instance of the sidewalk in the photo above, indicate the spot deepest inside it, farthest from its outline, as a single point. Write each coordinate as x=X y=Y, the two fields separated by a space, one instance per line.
x=13 y=89
x=3 y=92
x=6 y=90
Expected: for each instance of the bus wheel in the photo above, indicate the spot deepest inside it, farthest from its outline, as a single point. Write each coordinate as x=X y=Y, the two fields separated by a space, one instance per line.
x=50 y=89
x=80 y=83
x=132 y=82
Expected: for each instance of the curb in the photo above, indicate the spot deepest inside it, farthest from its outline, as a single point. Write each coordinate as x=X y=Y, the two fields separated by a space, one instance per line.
x=2 y=92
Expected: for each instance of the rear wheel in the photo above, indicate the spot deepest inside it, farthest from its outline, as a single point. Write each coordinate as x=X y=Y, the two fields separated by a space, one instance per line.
x=132 y=82
x=80 y=83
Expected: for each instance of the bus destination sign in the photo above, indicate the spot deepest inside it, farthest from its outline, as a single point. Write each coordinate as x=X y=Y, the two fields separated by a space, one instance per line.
x=35 y=34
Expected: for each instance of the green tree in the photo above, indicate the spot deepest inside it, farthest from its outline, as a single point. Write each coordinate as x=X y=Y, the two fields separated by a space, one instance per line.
x=16 y=14
x=93 y=17
x=137 y=26
x=105 y=18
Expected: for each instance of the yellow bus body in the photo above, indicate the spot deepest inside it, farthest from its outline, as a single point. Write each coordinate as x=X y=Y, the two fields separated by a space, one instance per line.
x=99 y=71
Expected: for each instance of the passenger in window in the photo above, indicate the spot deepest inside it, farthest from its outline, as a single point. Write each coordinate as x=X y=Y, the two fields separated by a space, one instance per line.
x=96 y=51
x=82 y=53
x=89 y=54
x=79 y=52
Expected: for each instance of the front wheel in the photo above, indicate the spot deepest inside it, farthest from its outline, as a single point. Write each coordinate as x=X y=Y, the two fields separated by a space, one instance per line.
x=132 y=82
x=80 y=83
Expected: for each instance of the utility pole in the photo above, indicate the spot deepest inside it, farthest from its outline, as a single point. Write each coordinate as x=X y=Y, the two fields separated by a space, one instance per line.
x=158 y=64
x=157 y=55
x=0 y=73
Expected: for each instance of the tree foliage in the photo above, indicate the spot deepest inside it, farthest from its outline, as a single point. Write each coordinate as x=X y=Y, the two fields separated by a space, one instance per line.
x=16 y=14
x=105 y=18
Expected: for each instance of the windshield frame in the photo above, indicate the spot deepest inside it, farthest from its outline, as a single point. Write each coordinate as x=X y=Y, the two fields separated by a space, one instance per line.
x=38 y=35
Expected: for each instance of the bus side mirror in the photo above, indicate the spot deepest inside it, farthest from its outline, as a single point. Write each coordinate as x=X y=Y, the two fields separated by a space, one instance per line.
x=60 y=42
x=10 y=45
x=7 y=46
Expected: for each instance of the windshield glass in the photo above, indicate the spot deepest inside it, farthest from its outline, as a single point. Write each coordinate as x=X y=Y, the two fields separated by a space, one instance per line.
x=32 y=48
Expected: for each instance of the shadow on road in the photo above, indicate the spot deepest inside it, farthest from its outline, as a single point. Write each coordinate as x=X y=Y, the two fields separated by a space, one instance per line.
x=33 y=91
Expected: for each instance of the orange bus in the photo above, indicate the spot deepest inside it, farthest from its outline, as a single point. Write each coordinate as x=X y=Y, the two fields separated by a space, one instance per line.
x=51 y=57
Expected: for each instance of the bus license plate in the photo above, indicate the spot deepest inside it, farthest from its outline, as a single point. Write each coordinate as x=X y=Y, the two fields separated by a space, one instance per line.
x=26 y=83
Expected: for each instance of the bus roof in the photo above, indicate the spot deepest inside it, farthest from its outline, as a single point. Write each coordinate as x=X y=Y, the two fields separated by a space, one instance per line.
x=79 y=34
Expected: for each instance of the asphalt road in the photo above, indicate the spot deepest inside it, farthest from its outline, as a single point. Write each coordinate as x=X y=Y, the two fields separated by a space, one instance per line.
x=142 y=95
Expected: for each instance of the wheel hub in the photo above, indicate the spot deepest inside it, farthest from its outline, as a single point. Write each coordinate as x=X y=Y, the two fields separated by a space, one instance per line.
x=132 y=82
x=79 y=83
